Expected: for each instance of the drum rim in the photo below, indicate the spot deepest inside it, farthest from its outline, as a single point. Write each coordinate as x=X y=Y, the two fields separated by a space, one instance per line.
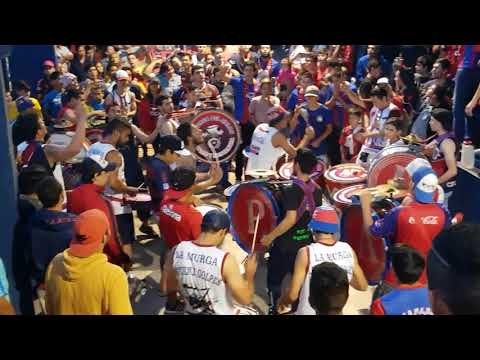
x=335 y=194
x=363 y=178
x=276 y=210
x=374 y=165
x=235 y=125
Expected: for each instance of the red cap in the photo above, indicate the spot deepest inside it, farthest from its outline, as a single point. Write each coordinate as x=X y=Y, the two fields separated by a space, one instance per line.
x=89 y=229
x=48 y=63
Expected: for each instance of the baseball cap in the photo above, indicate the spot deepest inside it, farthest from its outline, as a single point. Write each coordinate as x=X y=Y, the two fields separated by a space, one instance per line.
x=174 y=143
x=95 y=164
x=89 y=229
x=181 y=182
x=415 y=164
x=312 y=90
x=383 y=80
x=325 y=219
x=276 y=112
x=48 y=63
x=24 y=103
x=121 y=75
x=425 y=184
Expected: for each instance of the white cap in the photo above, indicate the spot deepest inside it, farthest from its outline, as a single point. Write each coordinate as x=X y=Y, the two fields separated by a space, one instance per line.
x=383 y=80
x=121 y=75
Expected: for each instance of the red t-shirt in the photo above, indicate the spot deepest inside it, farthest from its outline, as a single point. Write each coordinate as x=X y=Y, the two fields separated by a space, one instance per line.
x=178 y=222
x=347 y=131
x=87 y=197
x=145 y=119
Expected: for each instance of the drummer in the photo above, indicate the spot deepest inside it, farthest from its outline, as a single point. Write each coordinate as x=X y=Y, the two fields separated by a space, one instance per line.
x=442 y=151
x=415 y=224
x=382 y=109
x=292 y=233
x=208 y=277
x=325 y=247
x=270 y=141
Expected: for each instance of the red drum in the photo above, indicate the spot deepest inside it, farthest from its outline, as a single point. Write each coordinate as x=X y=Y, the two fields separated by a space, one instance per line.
x=246 y=202
x=390 y=163
x=344 y=175
x=371 y=251
x=64 y=139
x=342 y=199
x=286 y=172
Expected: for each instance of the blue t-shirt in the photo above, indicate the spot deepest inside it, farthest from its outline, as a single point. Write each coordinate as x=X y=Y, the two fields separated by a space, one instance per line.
x=292 y=100
x=275 y=66
x=318 y=119
x=52 y=103
x=158 y=179
x=237 y=84
x=361 y=68
x=96 y=106
x=3 y=281
x=407 y=301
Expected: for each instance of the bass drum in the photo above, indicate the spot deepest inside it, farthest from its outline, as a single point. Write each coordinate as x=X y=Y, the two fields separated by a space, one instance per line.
x=390 y=163
x=246 y=203
x=342 y=199
x=371 y=251
x=221 y=136
x=344 y=175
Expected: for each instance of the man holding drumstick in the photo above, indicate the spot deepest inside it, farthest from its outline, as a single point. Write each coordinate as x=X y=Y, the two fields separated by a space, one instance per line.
x=208 y=277
x=299 y=201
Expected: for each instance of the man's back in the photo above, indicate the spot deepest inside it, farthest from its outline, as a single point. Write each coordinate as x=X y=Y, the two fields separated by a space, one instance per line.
x=86 y=286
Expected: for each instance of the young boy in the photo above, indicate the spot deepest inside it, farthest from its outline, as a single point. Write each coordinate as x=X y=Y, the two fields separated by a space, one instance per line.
x=393 y=130
x=351 y=138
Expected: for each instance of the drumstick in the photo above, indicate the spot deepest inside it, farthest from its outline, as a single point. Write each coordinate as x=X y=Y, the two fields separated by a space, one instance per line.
x=255 y=233
x=138 y=188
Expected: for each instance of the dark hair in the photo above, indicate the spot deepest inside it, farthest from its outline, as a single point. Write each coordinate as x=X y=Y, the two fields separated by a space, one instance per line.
x=334 y=63
x=164 y=67
x=444 y=117
x=379 y=92
x=215 y=220
x=373 y=64
x=159 y=101
x=21 y=85
x=397 y=123
x=182 y=178
x=26 y=127
x=453 y=268
x=424 y=60
x=328 y=288
x=407 y=76
x=88 y=173
x=116 y=124
x=48 y=191
x=408 y=263
x=442 y=94
x=197 y=67
x=307 y=74
x=306 y=160
x=250 y=63
x=184 y=131
x=185 y=54
x=365 y=88
x=444 y=63
x=69 y=95
x=54 y=76
x=29 y=177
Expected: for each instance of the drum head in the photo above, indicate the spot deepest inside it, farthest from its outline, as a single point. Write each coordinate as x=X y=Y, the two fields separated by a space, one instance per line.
x=221 y=135
x=203 y=209
x=140 y=197
x=344 y=196
x=247 y=201
x=390 y=163
x=370 y=250
x=346 y=173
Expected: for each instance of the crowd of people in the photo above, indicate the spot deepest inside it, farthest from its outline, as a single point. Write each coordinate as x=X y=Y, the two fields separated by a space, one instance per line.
x=72 y=246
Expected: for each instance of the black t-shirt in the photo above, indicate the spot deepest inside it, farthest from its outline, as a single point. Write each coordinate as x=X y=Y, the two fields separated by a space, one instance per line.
x=299 y=235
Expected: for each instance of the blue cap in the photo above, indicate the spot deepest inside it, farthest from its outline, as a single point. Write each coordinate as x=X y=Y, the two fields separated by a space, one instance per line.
x=24 y=103
x=425 y=184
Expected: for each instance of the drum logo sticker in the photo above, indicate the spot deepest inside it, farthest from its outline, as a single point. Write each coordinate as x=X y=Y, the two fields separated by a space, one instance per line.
x=221 y=136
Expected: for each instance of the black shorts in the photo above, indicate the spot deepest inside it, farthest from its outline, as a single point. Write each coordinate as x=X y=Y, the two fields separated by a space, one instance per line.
x=126 y=228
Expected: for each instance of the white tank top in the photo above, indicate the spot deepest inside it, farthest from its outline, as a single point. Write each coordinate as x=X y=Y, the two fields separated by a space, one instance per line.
x=124 y=101
x=102 y=150
x=263 y=155
x=340 y=253
x=199 y=274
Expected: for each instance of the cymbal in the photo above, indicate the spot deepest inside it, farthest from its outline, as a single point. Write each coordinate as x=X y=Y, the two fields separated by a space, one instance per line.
x=260 y=173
